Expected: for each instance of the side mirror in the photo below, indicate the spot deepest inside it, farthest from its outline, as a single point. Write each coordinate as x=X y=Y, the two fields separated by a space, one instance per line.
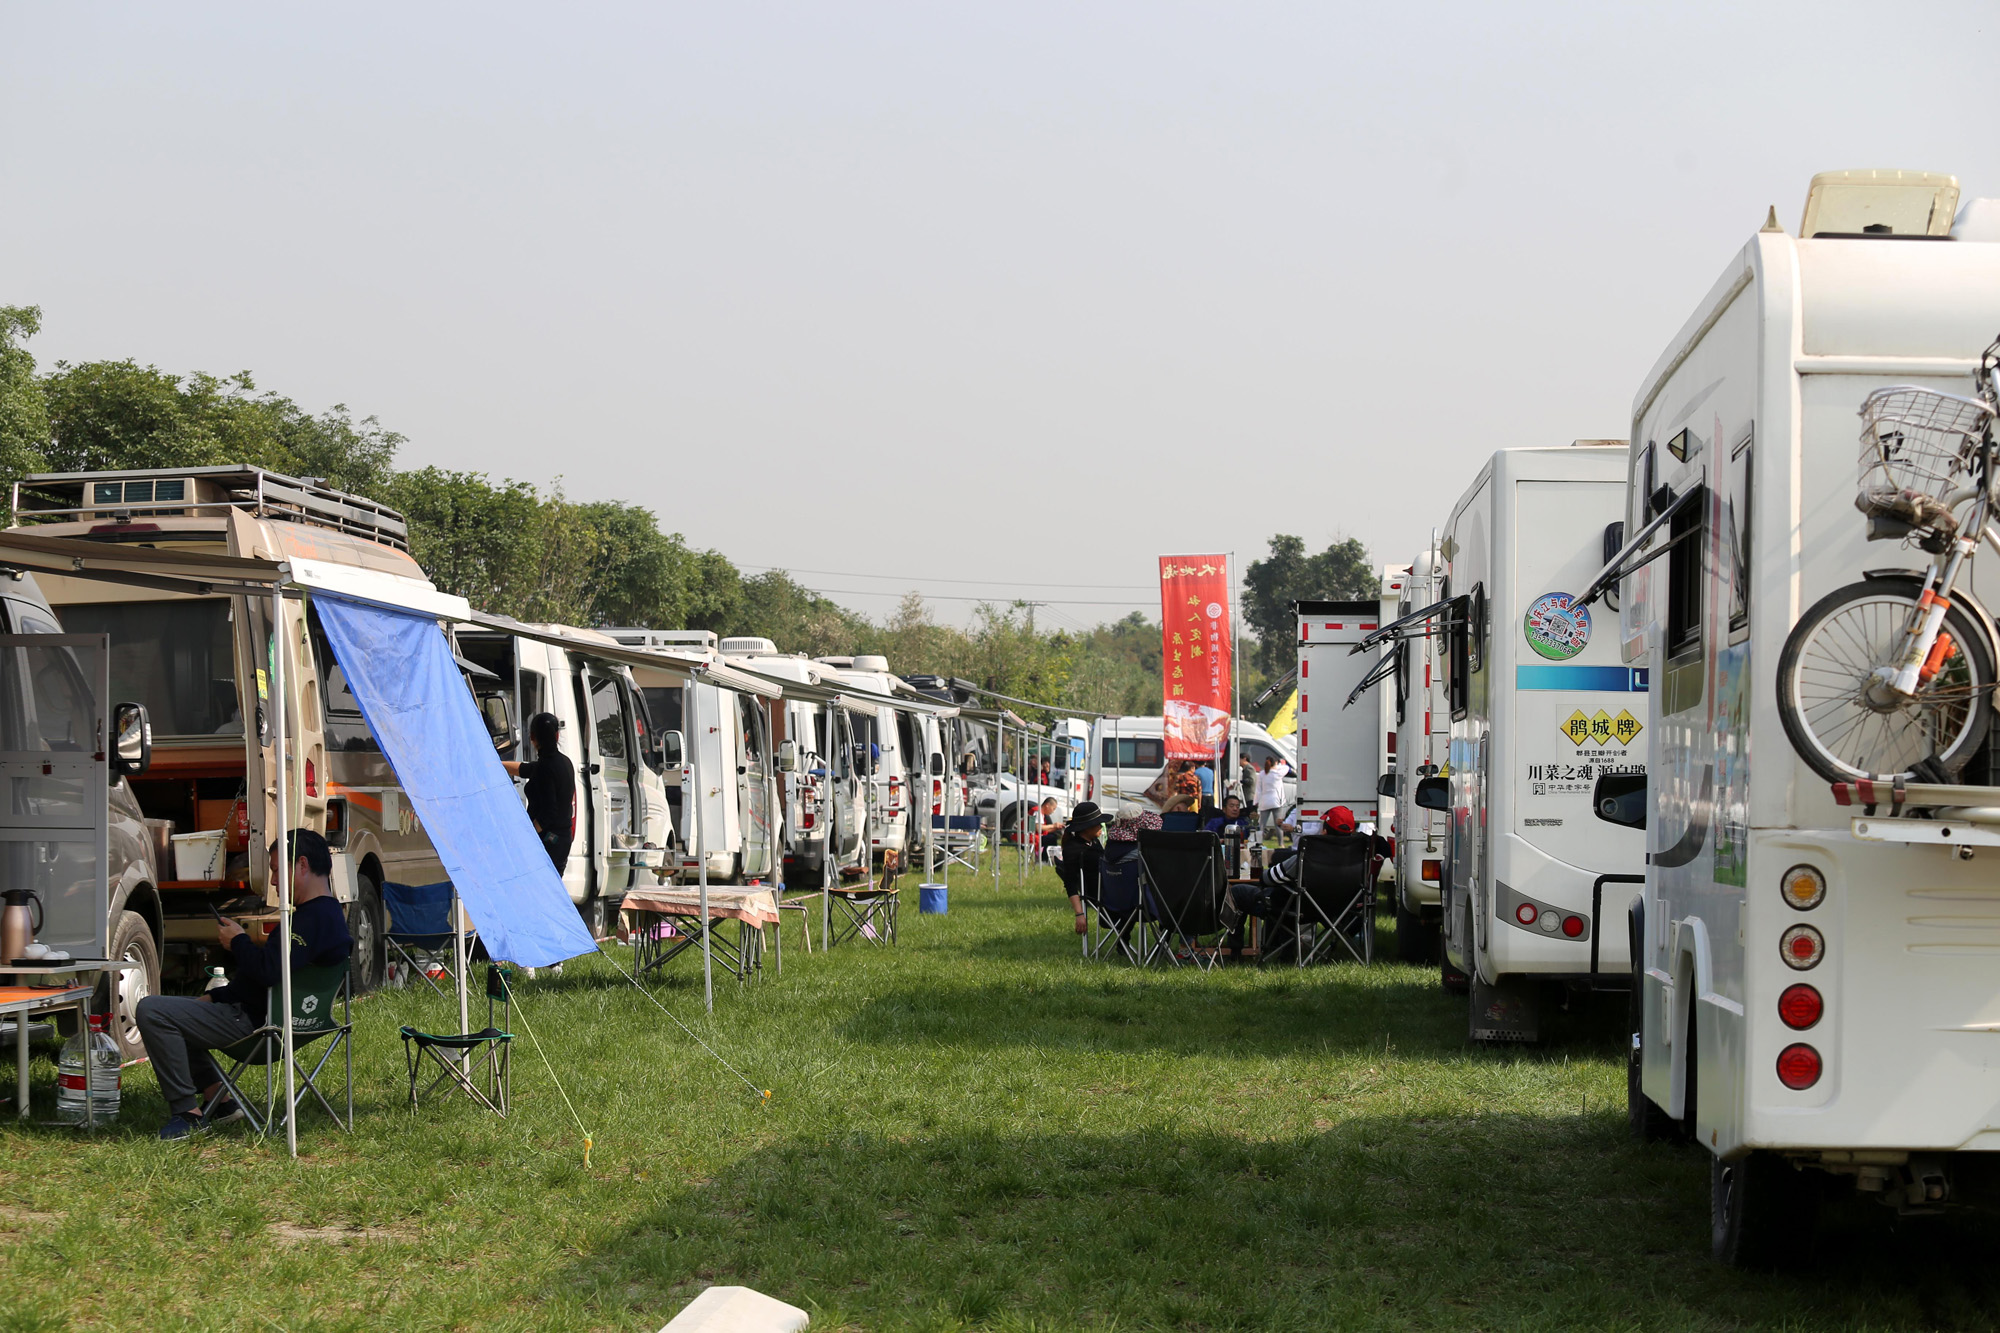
x=1387 y=785
x=937 y=765
x=670 y=749
x=788 y=756
x=1434 y=794
x=498 y=714
x=1620 y=798
x=132 y=743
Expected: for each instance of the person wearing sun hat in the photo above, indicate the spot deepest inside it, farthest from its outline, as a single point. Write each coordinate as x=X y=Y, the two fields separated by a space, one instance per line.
x=1082 y=854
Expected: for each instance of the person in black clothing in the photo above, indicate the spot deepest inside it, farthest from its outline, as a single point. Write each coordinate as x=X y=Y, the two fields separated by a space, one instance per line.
x=1081 y=853
x=551 y=788
x=181 y=1030
x=1272 y=898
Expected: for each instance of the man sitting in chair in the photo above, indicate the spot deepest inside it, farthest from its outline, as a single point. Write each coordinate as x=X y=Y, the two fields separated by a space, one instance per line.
x=1271 y=898
x=181 y=1030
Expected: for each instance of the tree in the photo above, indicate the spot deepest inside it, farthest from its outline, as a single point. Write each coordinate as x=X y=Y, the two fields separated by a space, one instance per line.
x=1289 y=575
x=24 y=410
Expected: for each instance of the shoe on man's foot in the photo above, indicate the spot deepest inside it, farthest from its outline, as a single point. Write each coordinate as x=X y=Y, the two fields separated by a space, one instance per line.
x=182 y=1125
x=222 y=1113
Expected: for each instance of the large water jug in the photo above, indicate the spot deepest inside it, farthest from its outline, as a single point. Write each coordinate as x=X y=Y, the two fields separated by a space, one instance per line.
x=106 y=1071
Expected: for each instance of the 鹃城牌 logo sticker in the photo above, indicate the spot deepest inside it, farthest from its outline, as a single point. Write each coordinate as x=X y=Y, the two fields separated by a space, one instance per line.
x=1557 y=628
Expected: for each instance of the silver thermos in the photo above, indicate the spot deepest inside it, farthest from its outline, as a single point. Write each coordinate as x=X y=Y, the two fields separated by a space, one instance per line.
x=17 y=924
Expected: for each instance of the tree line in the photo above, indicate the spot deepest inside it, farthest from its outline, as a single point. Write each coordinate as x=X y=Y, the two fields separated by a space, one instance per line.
x=519 y=549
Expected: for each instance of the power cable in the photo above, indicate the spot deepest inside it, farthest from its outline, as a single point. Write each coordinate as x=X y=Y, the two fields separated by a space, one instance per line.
x=960 y=597
x=856 y=574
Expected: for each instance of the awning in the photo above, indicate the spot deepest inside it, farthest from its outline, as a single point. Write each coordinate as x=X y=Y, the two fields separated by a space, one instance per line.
x=650 y=666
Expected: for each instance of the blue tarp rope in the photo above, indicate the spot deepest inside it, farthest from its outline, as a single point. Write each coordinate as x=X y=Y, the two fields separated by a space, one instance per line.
x=400 y=668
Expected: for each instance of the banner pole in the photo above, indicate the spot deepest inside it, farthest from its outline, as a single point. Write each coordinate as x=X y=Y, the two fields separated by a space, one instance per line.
x=1235 y=681
x=279 y=785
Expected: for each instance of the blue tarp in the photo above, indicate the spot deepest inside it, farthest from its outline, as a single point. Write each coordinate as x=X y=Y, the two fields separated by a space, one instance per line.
x=400 y=667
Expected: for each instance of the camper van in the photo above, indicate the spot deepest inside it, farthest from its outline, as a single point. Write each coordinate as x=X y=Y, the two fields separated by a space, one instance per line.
x=1815 y=982
x=879 y=736
x=724 y=792
x=623 y=828
x=202 y=667
x=1541 y=703
x=1127 y=760
x=1423 y=731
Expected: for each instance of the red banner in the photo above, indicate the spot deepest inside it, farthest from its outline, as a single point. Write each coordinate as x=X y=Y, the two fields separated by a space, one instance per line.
x=1194 y=658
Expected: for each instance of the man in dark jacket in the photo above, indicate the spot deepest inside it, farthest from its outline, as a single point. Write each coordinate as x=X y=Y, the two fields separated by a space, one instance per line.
x=1271 y=899
x=181 y=1030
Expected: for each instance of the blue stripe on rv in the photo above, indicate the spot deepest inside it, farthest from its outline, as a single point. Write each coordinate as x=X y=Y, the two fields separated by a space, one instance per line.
x=1620 y=680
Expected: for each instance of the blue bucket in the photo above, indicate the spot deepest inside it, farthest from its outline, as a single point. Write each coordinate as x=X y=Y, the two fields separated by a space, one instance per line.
x=931 y=899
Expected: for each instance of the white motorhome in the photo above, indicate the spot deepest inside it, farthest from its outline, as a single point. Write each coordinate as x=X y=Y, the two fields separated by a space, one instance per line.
x=1541 y=703
x=1128 y=760
x=727 y=752
x=1813 y=999
x=623 y=828
x=1423 y=731
x=1340 y=722
x=890 y=804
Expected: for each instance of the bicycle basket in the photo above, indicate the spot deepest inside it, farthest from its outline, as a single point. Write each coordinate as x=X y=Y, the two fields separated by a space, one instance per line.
x=1919 y=440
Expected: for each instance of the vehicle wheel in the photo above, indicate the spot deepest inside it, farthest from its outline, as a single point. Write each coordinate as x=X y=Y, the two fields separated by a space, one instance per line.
x=1416 y=939
x=1648 y=1122
x=1834 y=714
x=1762 y=1211
x=596 y=915
x=120 y=993
x=365 y=924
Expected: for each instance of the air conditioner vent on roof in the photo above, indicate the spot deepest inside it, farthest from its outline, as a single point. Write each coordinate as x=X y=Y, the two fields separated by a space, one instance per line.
x=1880 y=202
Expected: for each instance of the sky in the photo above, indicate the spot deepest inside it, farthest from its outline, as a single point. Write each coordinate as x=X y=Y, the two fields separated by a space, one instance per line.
x=984 y=301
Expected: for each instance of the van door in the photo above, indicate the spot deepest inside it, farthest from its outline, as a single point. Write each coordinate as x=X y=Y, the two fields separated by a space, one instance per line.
x=611 y=775
x=753 y=785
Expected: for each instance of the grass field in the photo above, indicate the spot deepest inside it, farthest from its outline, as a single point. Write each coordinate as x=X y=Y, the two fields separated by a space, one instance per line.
x=970 y=1131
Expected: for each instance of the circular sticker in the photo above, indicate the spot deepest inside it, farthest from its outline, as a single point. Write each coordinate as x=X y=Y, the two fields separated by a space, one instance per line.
x=1214 y=610
x=1556 y=627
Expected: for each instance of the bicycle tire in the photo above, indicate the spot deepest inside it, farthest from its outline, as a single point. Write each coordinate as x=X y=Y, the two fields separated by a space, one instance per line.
x=1827 y=660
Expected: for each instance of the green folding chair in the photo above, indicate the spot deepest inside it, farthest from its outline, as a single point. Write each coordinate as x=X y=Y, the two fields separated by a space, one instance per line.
x=456 y=1054
x=315 y=992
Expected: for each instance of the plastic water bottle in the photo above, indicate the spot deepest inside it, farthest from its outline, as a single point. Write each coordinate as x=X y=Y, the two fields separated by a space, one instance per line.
x=217 y=979
x=106 y=1071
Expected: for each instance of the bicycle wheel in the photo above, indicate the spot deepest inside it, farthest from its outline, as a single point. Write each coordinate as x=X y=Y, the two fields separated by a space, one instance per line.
x=1840 y=720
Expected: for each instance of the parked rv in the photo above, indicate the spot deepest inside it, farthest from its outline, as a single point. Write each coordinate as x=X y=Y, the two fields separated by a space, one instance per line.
x=1814 y=992
x=886 y=762
x=1423 y=731
x=1541 y=705
x=201 y=666
x=819 y=781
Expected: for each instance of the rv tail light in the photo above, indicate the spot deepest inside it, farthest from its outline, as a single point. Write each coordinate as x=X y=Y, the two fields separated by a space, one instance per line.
x=1526 y=914
x=1433 y=870
x=1090 y=787
x=1804 y=888
x=1798 y=1066
x=336 y=822
x=1802 y=947
x=312 y=780
x=1573 y=926
x=1800 y=1006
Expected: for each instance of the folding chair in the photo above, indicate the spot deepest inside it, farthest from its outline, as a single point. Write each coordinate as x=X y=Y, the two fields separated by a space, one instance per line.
x=866 y=913
x=960 y=842
x=314 y=992
x=1336 y=898
x=1184 y=891
x=420 y=928
x=1115 y=907
x=456 y=1054
x=1181 y=821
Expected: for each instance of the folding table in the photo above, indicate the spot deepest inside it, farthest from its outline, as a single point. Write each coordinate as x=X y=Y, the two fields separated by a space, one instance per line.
x=21 y=1003
x=667 y=921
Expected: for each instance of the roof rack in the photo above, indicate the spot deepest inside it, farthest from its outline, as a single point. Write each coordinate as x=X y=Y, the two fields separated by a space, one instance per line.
x=188 y=492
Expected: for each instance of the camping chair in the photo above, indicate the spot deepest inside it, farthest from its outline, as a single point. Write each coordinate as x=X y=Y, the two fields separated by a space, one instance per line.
x=1184 y=885
x=1181 y=821
x=960 y=842
x=1115 y=907
x=1335 y=899
x=865 y=913
x=420 y=928
x=314 y=991
x=455 y=1054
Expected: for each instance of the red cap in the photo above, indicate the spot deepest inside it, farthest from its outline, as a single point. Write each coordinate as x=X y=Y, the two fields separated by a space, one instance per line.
x=1340 y=819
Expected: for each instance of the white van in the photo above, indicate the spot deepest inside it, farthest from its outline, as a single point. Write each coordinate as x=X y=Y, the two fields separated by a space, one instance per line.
x=1541 y=704
x=880 y=739
x=1817 y=996
x=623 y=828
x=819 y=784
x=1128 y=760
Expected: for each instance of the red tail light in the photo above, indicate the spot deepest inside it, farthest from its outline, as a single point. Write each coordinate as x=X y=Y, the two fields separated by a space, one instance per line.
x=1433 y=869
x=1798 y=1066
x=1573 y=926
x=312 y=780
x=1800 y=1006
x=1090 y=787
x=805 y=819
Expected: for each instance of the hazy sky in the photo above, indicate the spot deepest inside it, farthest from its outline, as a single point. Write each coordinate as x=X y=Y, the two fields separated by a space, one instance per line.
x=935 y=293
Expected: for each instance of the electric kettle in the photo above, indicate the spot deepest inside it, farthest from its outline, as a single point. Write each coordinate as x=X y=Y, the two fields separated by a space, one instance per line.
x=18 y=923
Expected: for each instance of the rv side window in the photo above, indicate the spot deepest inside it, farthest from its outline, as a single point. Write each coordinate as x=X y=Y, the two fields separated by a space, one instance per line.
x=1643 y=473
x=534 y=696
x=176 y=657
x=607 y=716
x=1134 y=752
x=752 y=720
x=344 y=728
x=1458 y=656
x=1684 y=579
x=1740 y=474
x=663 y=706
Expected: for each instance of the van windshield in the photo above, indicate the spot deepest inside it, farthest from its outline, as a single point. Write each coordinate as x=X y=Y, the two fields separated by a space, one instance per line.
x=173 y=657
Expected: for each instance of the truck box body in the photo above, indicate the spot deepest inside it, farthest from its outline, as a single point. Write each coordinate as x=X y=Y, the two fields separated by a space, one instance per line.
x=1340 y=745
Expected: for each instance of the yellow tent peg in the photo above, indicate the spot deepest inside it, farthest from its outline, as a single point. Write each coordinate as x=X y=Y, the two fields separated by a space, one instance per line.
x=586 y=1152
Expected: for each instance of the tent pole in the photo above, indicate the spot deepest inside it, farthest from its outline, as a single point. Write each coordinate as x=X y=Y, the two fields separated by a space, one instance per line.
x=279 y=785
x=701 y=863
x=1235 y=684
x=999 y=766
x=830 y=859
x=459 y=961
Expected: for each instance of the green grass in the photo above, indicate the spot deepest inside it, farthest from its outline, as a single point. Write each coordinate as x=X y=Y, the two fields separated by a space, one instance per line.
x=972 y=1130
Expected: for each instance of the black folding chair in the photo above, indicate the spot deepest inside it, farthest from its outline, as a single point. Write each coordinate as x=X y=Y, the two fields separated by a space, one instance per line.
x=457 y=1054
x=1184 y=887
x=1334 y=907
x=865 y=914
x=1115 y=907
x=315 y=992
x=1181 y=821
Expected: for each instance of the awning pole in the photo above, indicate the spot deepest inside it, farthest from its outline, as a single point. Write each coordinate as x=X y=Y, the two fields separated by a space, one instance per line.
x=830 y=858
x=999 y=766
x=279 y=785
x=459 y=962
x=1235 y=684
x=701 y=871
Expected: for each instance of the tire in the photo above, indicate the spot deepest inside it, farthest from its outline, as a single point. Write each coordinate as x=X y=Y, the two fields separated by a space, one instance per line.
x=1416 y=939
x=596 y=915
x=119 y=995
x=1823 y=674
x=365 y=923
x=1649 y=1124
x=1762 y=1211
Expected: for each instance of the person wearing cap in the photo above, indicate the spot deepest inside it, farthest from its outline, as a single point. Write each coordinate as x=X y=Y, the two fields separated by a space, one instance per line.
x=1082 y=854
x=1272 y=897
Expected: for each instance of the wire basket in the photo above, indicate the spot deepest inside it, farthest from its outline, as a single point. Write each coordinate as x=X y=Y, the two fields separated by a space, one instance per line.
x=1919 y=440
